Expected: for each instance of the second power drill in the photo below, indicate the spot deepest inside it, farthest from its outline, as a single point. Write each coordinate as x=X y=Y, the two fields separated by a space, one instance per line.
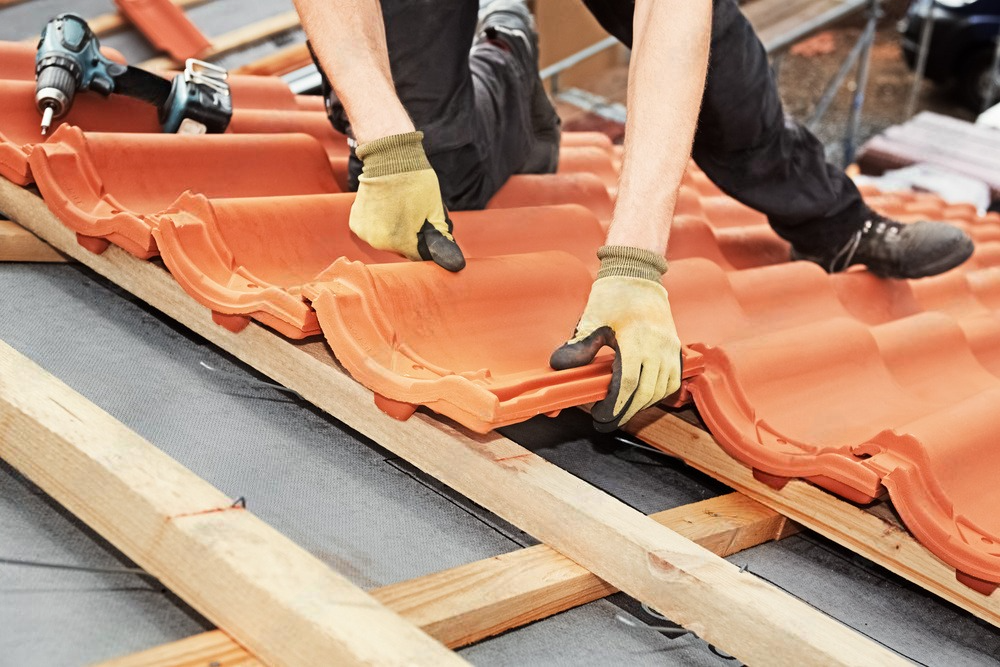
x=69 y=59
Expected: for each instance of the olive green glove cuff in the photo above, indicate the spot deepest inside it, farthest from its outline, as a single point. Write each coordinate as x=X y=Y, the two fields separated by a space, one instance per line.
x=629 y=262
x=395 y=154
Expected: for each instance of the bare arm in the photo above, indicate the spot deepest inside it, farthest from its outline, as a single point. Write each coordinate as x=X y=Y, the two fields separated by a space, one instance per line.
x=665 y=86
x=348 y=37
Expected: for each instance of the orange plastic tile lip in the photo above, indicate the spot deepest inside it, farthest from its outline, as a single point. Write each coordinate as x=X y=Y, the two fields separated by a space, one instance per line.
x=113 y=186
x=166 y=26
x=251 y=257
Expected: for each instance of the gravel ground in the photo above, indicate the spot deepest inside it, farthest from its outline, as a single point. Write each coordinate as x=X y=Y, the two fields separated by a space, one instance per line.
x=803 y=78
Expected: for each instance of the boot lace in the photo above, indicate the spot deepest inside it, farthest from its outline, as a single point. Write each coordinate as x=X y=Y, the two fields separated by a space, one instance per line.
x=876 y=234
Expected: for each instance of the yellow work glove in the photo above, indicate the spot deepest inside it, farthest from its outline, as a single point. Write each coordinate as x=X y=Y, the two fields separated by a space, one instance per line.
x=399 y=206
x=628 y=311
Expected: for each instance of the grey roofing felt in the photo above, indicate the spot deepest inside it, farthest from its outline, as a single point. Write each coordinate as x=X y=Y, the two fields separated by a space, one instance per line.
x=366 y=513
x=344 y=499
x=350 y=503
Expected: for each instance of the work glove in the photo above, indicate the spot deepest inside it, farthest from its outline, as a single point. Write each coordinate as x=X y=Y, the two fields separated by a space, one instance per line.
x=628 y=311
x=399 y=206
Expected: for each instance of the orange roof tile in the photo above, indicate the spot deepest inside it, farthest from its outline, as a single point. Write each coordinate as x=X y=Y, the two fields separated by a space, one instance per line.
x=855 y=383
x=551 y=189
x=264 y=105
x=232 y=255
x=463 y=363
x=113 y=185
x=166 y=26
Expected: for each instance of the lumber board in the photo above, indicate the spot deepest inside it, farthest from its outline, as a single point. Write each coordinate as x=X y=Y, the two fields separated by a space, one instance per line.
x=778 y=23
x=105 y=24
x=214 y=647
x=17 y=244
x=877 y=538
x=273 y=596
x=736 y=611
x=282 y=61
x=468 y=603
x=235 y=40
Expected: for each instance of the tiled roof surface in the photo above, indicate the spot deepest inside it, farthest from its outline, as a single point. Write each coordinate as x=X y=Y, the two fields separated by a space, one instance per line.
x=856 y=383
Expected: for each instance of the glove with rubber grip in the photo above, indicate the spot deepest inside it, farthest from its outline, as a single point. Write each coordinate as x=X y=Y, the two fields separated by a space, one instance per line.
x=399 y=206
x=628 y=310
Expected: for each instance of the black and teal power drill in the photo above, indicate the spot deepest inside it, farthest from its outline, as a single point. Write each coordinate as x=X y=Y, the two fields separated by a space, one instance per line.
x=69 y=59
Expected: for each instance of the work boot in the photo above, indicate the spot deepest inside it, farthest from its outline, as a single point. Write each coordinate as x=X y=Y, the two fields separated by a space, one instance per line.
x=892 y=249
x=510 y=24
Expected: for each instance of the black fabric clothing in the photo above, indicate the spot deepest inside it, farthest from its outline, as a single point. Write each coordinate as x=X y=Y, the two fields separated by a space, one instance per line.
x=748 y=147
x=472 y=101
x=474 y=108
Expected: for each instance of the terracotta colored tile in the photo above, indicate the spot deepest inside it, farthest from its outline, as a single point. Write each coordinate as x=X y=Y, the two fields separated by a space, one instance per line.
x=855 y=383
x=111 y=186
x=464 y=366
x=553 y=189
x=17 y=60
x=19 y=123
x=590 y=160
x=306 y=102
x=249 y=258
x=19 y=120
x=588 y=139
x=729 y=247
x=313 y=123
x=166 y=26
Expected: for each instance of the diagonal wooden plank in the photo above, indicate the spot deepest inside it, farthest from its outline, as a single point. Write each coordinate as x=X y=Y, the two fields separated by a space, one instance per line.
x=282 y=61
x=276 y=598
x=105 y=24
x=17 y=244
x=879 y=540
x=236 y=39
x=465 y=604
x=734 y=610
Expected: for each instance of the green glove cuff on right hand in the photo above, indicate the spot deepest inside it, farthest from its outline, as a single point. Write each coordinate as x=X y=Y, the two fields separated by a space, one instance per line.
x=393 y=155
x=629 y=262
x=628 y=310
x=399 y=207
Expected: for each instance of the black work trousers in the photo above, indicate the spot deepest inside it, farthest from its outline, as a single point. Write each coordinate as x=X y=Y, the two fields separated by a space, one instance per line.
x=471 y=101
x=474 y=108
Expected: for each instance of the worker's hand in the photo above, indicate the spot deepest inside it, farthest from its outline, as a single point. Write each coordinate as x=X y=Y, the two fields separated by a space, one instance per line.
x=399 y=206
x=628 y=311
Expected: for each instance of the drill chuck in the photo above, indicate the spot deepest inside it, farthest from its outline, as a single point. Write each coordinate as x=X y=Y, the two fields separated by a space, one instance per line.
x=56 y=89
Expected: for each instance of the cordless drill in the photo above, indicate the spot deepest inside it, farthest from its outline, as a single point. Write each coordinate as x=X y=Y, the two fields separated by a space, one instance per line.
x=69 y=59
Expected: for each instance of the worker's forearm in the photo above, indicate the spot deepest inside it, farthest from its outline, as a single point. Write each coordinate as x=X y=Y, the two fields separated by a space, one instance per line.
x=665 y=87
x=348 y=37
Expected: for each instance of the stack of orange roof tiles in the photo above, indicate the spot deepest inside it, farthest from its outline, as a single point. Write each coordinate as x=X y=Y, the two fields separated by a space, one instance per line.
x=855 y=383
